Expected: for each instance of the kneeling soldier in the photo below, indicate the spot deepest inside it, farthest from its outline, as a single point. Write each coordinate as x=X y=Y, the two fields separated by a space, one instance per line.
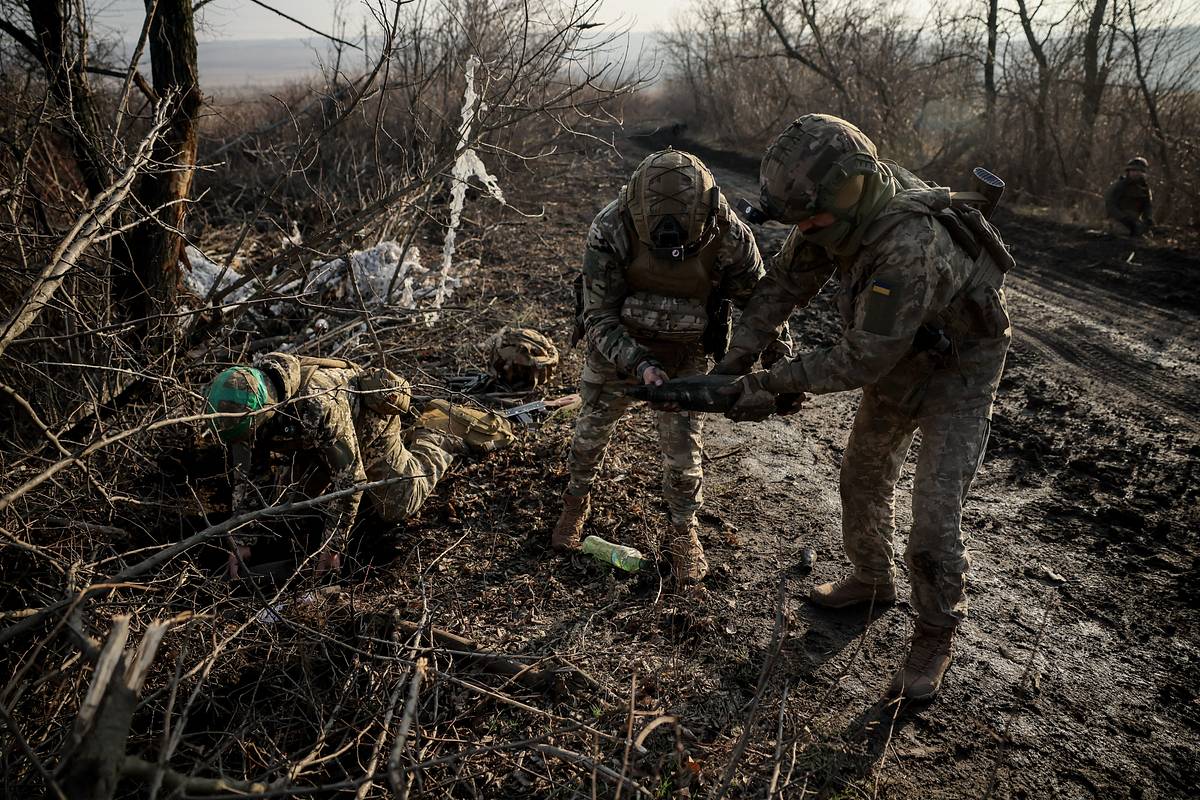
x=925 y=335
x=660 y=263
x=344 y=425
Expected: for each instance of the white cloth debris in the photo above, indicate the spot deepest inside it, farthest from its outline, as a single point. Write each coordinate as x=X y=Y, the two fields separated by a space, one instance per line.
x=467 y=166
x=200 y=274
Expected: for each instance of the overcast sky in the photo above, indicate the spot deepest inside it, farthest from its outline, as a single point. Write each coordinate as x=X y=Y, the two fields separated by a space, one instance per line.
x=242 y=19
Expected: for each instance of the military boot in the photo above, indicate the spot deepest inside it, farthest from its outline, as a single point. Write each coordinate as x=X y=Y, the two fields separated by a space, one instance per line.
x=568 y=531
x=852 y=591
x=688 y=564
x=929 y=657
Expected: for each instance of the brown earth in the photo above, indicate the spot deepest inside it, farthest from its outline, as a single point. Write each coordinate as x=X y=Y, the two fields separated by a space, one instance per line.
x=1076 y=675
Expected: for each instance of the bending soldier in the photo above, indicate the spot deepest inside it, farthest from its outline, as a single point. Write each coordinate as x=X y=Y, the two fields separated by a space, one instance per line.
x=1129 y=201
x=343 y=426
x=925 y=335
x=660 y=261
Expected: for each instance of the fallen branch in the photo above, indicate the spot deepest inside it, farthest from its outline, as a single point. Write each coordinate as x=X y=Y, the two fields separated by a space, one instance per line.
x=143 y=770
x=523 y=674
x=777 y=637
x=593 y=767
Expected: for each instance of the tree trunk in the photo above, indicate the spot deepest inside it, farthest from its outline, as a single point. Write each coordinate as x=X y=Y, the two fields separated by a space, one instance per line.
x=64 y=60
x=1095 y=79
x=990 y=95
x=154 y=247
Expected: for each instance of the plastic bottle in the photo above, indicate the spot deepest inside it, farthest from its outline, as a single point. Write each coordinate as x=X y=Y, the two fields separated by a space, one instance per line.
x=618 y=555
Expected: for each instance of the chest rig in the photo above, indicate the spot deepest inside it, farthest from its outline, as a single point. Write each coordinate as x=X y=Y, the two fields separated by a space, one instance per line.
x=668 y=298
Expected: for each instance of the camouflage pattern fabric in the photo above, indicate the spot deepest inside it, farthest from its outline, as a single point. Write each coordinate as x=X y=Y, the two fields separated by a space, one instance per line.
x=521 y=357
x=350 y=444
x=609 y=251
x=1130 y=202
x=907 y=273
x=679 y=435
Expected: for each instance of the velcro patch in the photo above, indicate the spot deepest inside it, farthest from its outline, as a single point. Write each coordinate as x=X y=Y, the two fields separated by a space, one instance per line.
x=881 y=305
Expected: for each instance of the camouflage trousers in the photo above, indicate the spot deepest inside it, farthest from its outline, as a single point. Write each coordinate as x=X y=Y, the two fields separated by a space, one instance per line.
x=679 y=436
x=422 y=464
x=953 y=439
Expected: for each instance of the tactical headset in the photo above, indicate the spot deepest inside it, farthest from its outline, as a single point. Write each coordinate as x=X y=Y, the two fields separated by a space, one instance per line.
x=834 y=190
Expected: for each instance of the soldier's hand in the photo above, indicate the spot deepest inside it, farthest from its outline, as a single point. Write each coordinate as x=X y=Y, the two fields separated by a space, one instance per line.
x=239 y=556
x=654 y=376
x=755 y=402
x=327 y=561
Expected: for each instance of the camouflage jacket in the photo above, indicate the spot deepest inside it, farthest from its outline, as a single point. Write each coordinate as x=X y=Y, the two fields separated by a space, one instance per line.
x=1129 y=200
x=328 y=427
x=908 y=273
x=608 y=253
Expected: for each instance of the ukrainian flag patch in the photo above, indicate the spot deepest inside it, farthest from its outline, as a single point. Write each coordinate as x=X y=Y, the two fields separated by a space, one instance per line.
x=880 y=307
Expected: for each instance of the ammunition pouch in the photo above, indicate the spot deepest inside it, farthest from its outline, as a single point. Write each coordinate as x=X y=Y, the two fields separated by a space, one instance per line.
x=719 y=330
x=480 y=430
x=577 y=330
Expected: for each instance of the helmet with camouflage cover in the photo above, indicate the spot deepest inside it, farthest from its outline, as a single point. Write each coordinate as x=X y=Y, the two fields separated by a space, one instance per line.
x=286 y=369
x=521 y=357
x=240 y=390
x=385 y=392
x=823 y=166
x=672 y=200
x=817 y=164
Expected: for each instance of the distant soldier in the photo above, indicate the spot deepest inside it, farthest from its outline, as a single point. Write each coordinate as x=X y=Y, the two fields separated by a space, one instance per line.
x=662 y=263
x=925 y=335
x=1129 y=201
x=343 y=427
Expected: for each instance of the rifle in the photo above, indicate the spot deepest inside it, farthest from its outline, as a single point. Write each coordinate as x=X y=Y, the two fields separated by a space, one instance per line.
x=694 y=393
x=524 y=412
x=703 y=393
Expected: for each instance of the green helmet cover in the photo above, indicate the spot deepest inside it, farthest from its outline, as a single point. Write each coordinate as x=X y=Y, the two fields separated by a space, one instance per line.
x=238 y=390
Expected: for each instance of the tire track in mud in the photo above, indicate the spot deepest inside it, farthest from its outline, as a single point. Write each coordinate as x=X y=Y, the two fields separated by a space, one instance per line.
x=1128 y=373
x=1060 y=329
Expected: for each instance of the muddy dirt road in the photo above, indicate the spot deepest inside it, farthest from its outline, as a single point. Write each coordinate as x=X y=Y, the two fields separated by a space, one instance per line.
x=1075 y=677
x=1077 y=673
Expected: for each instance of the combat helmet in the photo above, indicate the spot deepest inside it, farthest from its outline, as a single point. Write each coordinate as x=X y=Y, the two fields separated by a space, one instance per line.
x=672 y=201
x=240 y=390
x=817 y=164
x=521 y=357
x=1138 y=163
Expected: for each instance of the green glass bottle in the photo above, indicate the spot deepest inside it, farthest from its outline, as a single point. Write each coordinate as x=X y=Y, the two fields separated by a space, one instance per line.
x=627 y=558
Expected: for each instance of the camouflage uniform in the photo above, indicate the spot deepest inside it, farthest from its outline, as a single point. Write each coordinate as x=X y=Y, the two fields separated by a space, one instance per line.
x=908 y=274
x=1129 y=202
x=340 y=441
x=627 y=330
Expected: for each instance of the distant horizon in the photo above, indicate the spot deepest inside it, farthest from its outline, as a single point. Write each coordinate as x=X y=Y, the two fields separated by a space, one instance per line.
x=258 y=63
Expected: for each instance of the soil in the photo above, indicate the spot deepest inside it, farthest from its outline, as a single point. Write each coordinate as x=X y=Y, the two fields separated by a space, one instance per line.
x=1077 y=673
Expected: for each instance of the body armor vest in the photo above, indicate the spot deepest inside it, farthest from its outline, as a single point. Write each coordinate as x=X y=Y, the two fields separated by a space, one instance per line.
x=668 y=300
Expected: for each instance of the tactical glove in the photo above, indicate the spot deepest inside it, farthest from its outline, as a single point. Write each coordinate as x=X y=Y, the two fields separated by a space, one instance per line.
x=755 y=401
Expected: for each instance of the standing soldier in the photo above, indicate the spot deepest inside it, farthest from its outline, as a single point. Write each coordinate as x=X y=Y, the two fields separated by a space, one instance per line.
x=661 y=264
x=1129 y=202
x=343 y=427
x=925 y=334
